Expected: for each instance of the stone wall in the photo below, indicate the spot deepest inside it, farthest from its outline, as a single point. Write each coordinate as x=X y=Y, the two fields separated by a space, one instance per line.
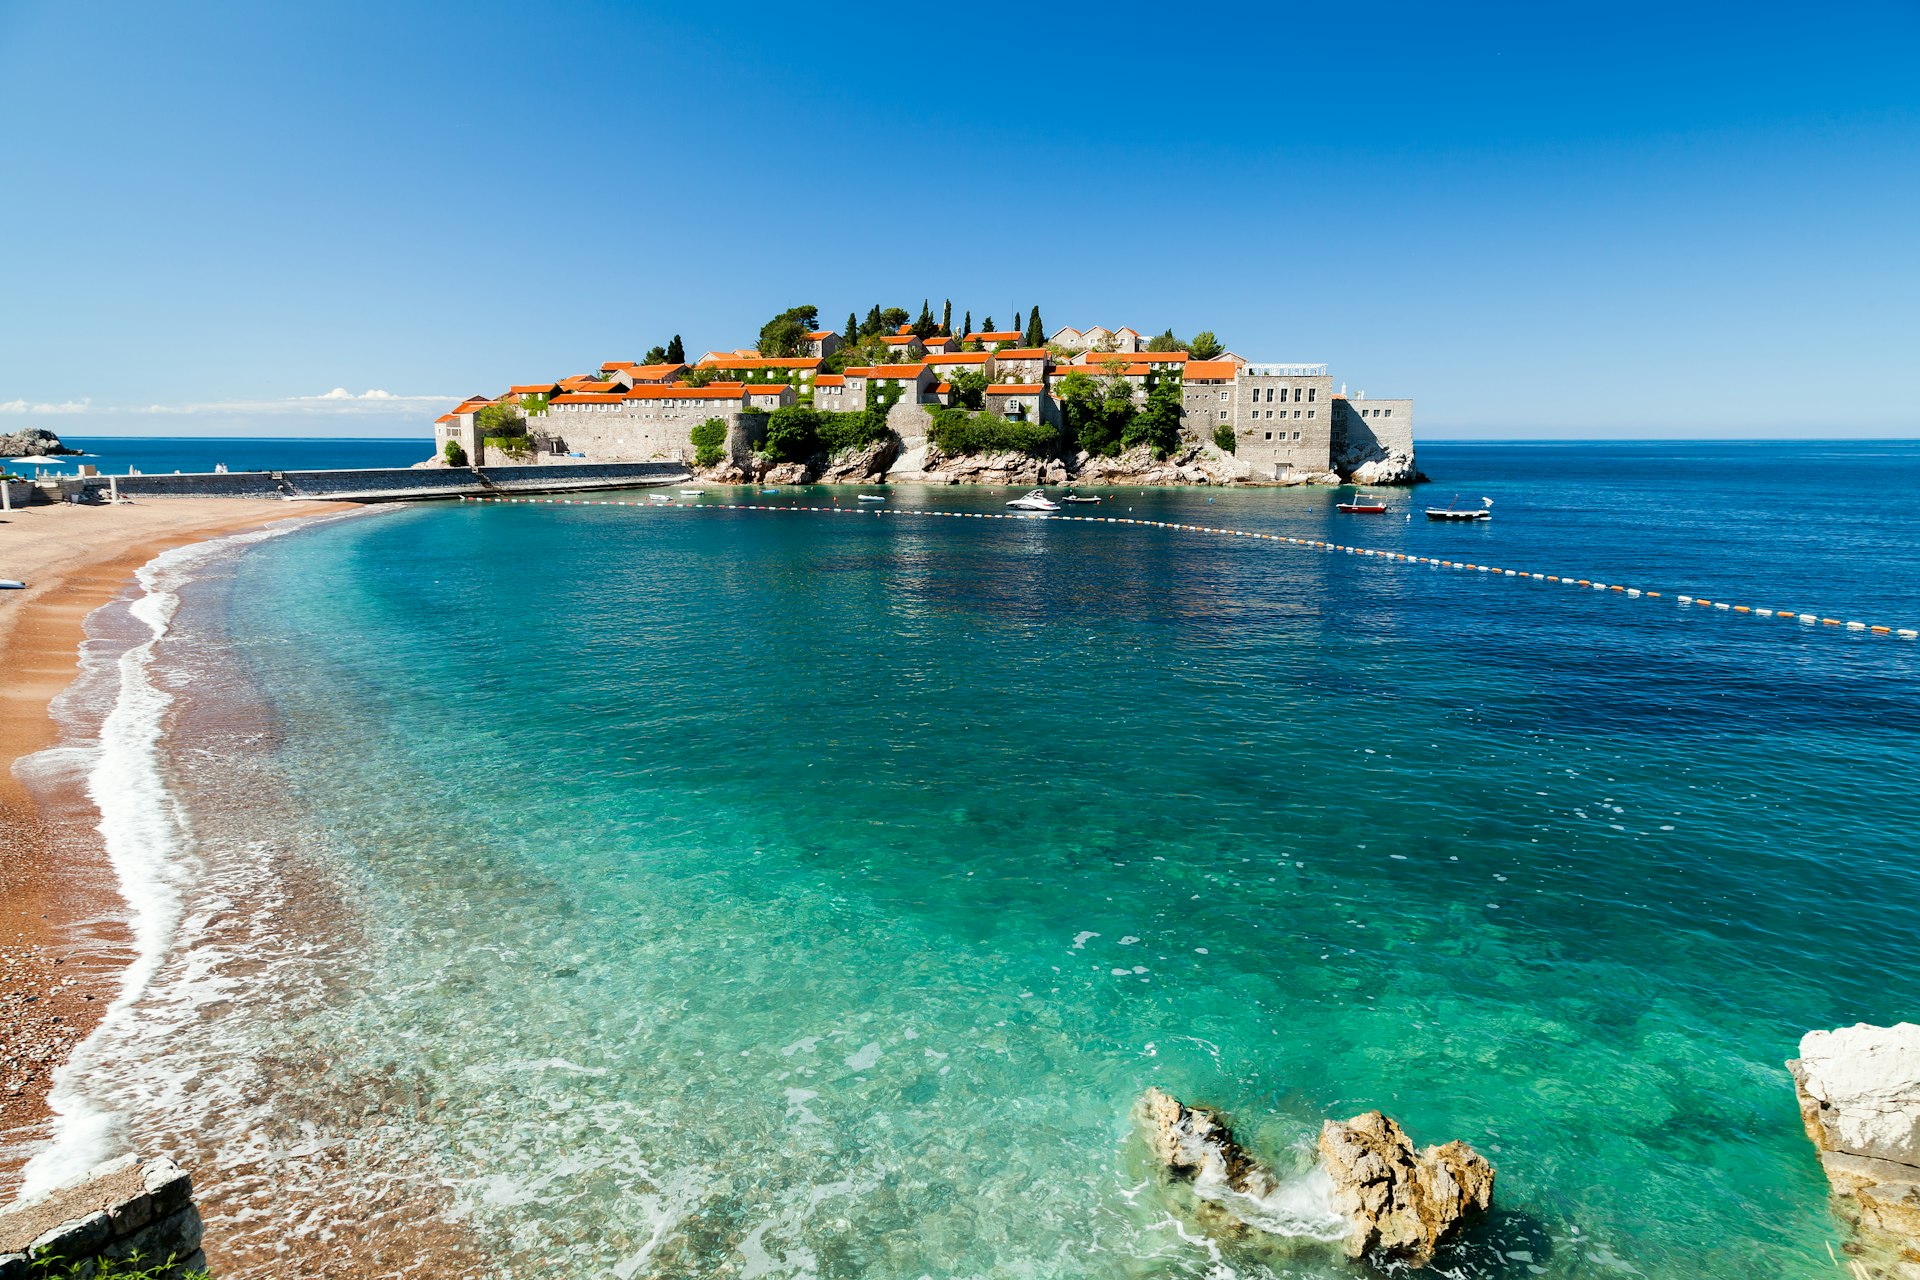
x=638 y=431
x=118 y=1210
x=911 y=422
x=1366 y=430
x=1283 y=423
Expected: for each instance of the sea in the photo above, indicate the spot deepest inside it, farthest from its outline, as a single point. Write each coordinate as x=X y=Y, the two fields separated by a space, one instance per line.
x=163 y=455
x=722 y=888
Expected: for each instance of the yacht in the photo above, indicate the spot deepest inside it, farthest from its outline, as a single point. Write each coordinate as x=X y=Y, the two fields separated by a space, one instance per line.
x=1035 y=501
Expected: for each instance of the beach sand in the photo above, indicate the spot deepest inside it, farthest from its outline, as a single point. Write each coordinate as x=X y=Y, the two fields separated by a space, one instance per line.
x=62 y=941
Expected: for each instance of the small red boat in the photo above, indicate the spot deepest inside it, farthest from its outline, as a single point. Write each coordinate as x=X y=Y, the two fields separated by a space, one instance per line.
x=1363 y=504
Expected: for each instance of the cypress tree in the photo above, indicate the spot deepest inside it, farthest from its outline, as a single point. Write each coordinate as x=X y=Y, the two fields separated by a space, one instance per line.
x=946 y=317
x=967 y=325
x=851 y=337
x=1018 y=324
x=676 y=351
x=1036 y=335
x=986 y=326
x=874 y=323
x=923 y=327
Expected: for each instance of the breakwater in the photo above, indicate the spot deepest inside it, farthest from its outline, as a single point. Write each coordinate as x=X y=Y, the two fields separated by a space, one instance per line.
x=126 y=1212
x=390 y=484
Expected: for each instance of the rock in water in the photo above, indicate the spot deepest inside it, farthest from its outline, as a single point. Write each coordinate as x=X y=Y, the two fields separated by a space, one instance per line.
x=1196 y=1145
x=1859 y=1091
x=1400 y=1204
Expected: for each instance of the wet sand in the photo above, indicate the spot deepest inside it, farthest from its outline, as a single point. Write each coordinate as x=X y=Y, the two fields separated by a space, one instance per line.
x=62 y=937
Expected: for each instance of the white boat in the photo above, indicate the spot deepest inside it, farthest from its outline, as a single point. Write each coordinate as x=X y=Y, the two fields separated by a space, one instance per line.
x=1037 y=500
x=659 y=497
x=1074 y=497
x=12 y=584
x=873 y=497
x=1452 y=512
x=691 y=493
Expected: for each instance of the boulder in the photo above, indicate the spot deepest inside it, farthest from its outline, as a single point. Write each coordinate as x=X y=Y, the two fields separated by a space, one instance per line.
x=32 y=442
x=1195 y=1145
x=787 y=473
x=856 y=466
x=1395 y=468
x=1400 y=1204
x=1859 y=1092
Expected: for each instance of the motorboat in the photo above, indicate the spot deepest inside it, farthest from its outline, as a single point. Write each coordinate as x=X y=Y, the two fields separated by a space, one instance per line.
x=659 y=497
x=12 y=584
x=1363 y=504
x=1453 y=512
x=691 y=493
x=769 y=491
x=1074 y=497
x=1037 y=500
x=873 y=497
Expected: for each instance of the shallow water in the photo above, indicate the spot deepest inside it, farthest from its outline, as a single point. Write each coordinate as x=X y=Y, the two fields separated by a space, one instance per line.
x=788 y=894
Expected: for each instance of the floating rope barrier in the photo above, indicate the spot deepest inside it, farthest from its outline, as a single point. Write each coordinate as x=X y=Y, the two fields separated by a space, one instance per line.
x=1317 y=544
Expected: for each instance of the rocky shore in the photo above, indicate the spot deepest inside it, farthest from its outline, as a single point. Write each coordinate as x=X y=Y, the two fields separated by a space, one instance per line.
x=1859 y=1092
x=34 y=442
x=888 y=459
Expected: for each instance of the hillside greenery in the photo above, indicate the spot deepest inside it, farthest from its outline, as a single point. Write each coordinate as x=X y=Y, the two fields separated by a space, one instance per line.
x=956 y=431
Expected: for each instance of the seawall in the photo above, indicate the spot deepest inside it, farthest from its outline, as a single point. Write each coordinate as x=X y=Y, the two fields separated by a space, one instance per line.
x=378 y=485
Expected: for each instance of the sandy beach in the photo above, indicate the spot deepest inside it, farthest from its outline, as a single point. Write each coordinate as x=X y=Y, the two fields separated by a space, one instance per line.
x=61 y=938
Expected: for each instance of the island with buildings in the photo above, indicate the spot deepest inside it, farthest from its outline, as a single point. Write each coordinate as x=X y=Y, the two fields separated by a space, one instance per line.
x=889 y=398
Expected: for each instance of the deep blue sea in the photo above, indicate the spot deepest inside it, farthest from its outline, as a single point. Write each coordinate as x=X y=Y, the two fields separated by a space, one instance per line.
x=156 y=455
x=691 y=892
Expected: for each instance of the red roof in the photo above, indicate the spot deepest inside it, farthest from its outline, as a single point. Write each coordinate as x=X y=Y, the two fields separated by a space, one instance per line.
x=900 y=339
x=1015 y=389
x=943 y=388
x=610 y=365
x=818 y=334
x=829 y=380
x=905 y=328
x=653 y=372
x=675 y=391
x=586 y=397
x=1021 y=353
x=1211 y=370
x=995 y=335
x=760 y=362
x=545 y=388
x=895 y=370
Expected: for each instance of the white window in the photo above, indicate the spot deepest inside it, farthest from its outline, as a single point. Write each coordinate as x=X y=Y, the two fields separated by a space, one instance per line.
x=1223 y=415
x=1296 y=435
x=1311 y=393
x=1296 y=413
x=1223 y=395
x=1388 y=412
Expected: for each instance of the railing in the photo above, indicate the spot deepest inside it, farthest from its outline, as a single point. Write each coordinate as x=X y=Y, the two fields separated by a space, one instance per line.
x=1285 y=370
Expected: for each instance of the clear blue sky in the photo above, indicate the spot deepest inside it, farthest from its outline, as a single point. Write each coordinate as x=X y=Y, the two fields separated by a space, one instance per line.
x=1540 y=221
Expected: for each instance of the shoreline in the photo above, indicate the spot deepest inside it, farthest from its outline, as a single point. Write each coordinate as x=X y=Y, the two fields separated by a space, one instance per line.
x=63 y=930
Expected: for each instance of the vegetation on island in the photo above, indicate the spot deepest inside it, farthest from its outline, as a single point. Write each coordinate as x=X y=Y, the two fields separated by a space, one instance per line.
x=455 y=455
x=956 y=431
x=1223 y=438
x=709 y=442
x=799 y=432
x=674 y=352
x=504 y=427
x=132 y=1267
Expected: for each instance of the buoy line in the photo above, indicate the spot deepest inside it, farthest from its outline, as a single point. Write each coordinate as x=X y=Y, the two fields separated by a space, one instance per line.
x=1809 y=619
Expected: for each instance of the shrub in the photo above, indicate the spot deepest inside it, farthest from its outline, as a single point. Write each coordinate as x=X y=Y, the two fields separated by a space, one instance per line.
x=512 y=446
x=792 y=434
x=709 y=442
x=455 y=455
x=1223 y=436
x=1157 y=425
x=842 y=432
x=957 y=431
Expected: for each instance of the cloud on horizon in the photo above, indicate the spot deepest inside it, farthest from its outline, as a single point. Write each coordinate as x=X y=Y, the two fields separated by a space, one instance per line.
x=337 y=401
x=24 y=406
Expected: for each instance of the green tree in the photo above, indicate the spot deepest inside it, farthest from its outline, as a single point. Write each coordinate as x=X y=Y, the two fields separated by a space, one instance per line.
x=1223 y=436
x=700 y=375
x=786 y=334
x=709 y=442
x=676 y=351
x=892 y=318
x=1158 y=424
x=1097 y=411
x=455 y=455
x=986 y=326
x=874 y=323
x=969 y=389
x=500 y=421
x=1205 y=346
x=923 y=328
x=966 y=326
x=793 y=434
x=851 y=338
x=655 y=355
x=946 y=317
x=1164 y=342
x=1036 y=336
x=1019 y=325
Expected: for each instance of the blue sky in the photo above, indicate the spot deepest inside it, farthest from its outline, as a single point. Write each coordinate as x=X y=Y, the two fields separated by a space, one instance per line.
x=1539 y=221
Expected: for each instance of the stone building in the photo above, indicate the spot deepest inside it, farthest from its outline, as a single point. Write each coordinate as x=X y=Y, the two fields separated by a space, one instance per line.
x=822 y=343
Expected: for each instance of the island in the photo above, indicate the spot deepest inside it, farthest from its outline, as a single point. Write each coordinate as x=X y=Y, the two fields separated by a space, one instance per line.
x=890 y=398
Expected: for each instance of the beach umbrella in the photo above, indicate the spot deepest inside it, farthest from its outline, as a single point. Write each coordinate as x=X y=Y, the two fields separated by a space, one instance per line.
x=36 y=462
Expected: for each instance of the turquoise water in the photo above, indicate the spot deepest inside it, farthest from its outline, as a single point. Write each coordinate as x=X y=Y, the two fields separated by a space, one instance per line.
x=790 y=895
x=154 y=455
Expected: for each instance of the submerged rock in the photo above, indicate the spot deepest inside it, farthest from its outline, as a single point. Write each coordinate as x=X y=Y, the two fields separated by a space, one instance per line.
x=1400 y=1204
x=1859 y=1091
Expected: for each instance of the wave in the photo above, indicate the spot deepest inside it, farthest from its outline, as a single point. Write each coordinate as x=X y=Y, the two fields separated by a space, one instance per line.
x=145 y=832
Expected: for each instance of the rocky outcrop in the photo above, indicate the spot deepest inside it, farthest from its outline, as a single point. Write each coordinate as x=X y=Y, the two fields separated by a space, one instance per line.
x=118 y=1210
x=787 y=473
x=857 y=466
x=1395 y=468
x=1400 y=1204
x=939 y=467
x=1859 y=1091
x=1194 y=464
x=33 y=442
x=1373 y=1192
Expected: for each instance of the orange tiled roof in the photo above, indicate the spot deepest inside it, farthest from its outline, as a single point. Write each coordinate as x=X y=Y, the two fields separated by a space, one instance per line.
x=818 y=334
x=896 y=370
x=675 y=391
x=943 y=388
x=1211 y=369
x=610 y=365
x=586 y=397
x=994 y=335
x=1021 y=353
x=653 y=372
x=900 y=339
x=830 y=380
x=760 y=362
x=905 y=328
x=1015 y=389
x=542 y=389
